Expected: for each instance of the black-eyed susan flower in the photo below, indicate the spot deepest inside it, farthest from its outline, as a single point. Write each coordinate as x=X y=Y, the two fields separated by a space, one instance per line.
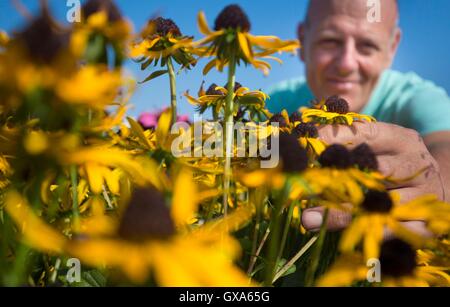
x=334 y=110
x=400 y=265
x=156 y=239
x=293 y=162
x=231 y=39
x=161 y=41
x=214 y=98
x=102 y=26
x=308 y=136
x=380 y=210
x=338 y=180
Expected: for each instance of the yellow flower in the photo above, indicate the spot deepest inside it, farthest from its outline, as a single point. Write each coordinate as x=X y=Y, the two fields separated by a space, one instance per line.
x=35 y=232
x=215 y=98
x=380 y=210
x=99 y=20
x=400 y=265
x=4 y=38
x=232 y=35
x=340 y=185
x=97 y=161
x=93 y=86
x=148 y=235
x=161 y=40
x=334 y=110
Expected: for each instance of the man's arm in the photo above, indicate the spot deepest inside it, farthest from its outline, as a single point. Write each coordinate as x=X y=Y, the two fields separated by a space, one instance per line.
x=438 y=144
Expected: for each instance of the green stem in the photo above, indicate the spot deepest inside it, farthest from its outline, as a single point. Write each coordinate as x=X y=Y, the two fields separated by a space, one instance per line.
x=285 y=231
x=74 y=181
x=229 y=107
x=19 y=268
x=173 y=89
x=310 y=274
x=294 y=259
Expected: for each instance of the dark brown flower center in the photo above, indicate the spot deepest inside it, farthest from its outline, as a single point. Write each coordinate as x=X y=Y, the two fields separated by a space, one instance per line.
x=293 y=157
x=43 y=40
x=295 y=117
x=337 y=105
x=364 y=157
x=306 y=130
x=108 y=6
x=377 y=201
x=147 y=217
x=278 y=118
x=232 y=17
x=237 y=86
x=165 y=26
x=337 y=156
x=212 y=90
x=397 y=258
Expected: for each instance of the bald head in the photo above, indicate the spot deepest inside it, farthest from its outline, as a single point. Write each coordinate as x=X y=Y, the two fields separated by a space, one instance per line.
x=346 y=48
x=319 y=9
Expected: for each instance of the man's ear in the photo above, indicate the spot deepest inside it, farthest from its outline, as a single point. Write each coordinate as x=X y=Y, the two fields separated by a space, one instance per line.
x=394 y=44
x=301 y=38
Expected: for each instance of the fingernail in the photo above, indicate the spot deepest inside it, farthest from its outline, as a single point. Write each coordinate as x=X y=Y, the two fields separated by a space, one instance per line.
x=312 y=220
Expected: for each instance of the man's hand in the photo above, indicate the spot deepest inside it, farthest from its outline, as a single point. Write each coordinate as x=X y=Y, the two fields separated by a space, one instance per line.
x=401 y=153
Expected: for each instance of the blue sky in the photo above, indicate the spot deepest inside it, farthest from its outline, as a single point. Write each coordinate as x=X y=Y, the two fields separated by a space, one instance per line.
x=425 y=48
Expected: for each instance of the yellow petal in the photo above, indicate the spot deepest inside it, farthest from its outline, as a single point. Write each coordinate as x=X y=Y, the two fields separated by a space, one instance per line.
x=184 y=203
x=35 y=231
x=203 y=24
x=245 y=47
x=163 y=128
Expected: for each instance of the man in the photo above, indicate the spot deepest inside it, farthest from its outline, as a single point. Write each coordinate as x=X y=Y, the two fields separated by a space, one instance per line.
x=346 y=54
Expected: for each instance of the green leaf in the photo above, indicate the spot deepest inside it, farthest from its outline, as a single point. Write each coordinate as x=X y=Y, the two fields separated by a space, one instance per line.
x=281 y=263
x=146 y=64
x=154 y=75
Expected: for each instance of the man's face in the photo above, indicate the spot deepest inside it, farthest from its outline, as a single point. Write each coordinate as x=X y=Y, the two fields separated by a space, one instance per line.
x=344 y=53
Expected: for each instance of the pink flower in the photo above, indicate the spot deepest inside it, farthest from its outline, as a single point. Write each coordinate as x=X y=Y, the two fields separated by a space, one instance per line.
x=148 y=120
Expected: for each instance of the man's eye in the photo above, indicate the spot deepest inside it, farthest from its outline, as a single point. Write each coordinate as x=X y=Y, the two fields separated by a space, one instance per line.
x=329 y=42
x=367 y=48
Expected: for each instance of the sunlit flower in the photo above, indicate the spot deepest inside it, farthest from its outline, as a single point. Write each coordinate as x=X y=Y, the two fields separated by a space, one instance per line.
x=334 y=110
x=400 y=265
x=148 y=232
x=231 y=37
x=214 y=98
x=162 y=42
x=102 y=25
x=379 y=210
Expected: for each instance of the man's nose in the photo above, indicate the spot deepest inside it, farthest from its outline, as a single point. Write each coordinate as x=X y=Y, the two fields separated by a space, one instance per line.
x=347 y=59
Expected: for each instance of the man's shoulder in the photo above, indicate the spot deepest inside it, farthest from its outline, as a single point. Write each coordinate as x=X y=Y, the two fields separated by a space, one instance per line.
x=406 y=82
x=410 y=101
x=289 y=85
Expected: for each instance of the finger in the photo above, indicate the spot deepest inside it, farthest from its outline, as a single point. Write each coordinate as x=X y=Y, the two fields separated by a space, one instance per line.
x=410 y=193
x=417 y=227
x=409 y=169
x=381 y=137
x=312 y=219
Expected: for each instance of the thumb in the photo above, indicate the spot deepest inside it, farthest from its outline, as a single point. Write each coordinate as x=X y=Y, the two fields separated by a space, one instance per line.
x=312 y=219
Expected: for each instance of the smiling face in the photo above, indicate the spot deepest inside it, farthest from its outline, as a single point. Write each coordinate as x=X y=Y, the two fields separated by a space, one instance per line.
x=344 y=53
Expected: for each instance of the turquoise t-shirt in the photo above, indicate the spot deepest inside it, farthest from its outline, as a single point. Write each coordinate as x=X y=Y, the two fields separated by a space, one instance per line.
x=403 y=99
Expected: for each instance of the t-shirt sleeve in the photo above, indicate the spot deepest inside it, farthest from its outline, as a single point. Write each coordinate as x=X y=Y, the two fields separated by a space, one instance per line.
x=289 y=95
x=427 y=110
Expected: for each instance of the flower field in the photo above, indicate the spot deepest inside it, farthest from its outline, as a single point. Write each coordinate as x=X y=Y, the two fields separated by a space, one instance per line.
x=90 y=196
